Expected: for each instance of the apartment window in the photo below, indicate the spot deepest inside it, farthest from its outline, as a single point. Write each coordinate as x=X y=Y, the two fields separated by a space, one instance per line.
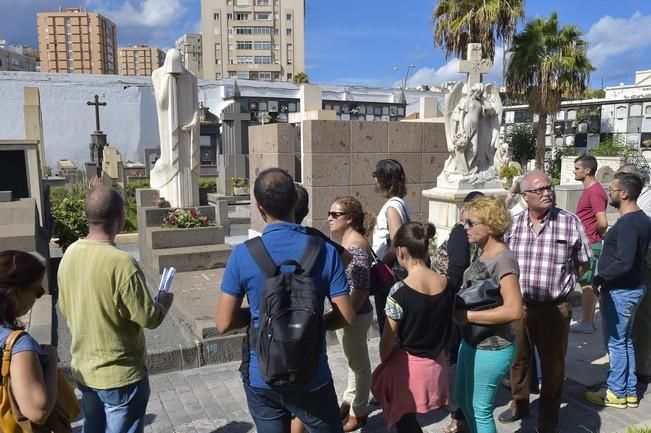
x=241 y=17
x=243 y=75
x=264 y=75
x=257 y=30
x=218 y=61
x=276 y=16
x=262 y=45
x=229 y=16
x=244 y=45
x=276 y=75
x=262 y=60
x=215 y=17
x=245 y=60
x=231 y=61
x=289 y=76
x=262 y=2
x=290 y=47
x=276 y=47
x=218 y=75
x=289 y=61
x=232 y=74
x=289 y=17
x=289 y=32
x=262 y=16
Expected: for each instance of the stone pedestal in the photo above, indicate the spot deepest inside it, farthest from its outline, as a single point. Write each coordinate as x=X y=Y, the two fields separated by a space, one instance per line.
x=445 y=205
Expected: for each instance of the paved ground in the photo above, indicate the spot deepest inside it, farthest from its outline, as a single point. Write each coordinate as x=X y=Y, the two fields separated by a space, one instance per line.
x=211 y=400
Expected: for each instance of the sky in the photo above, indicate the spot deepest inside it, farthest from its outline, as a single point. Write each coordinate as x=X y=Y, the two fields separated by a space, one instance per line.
x=361 y=42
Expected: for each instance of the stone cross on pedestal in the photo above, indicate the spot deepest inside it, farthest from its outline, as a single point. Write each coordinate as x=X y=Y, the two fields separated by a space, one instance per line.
x=474 y=65
x=97 y=138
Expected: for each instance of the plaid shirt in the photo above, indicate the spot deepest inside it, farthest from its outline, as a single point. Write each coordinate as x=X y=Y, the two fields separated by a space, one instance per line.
x=548 y=260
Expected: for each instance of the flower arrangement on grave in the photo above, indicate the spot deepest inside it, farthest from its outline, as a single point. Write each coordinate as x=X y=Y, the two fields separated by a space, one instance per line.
x=185 y=219
x=240 y=185
x=357 y=110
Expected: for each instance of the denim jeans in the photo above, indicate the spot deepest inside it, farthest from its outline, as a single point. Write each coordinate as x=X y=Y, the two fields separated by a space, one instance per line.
x=618 y=307
x=479 y=373
x=271 y=409
x=115 y=410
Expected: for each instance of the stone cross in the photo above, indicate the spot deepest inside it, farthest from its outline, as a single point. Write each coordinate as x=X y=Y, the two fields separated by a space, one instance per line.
x=474 y=65
x=97 y=104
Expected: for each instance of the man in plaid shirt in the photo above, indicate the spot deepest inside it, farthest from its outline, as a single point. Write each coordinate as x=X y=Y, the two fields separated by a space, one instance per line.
x=552 y=248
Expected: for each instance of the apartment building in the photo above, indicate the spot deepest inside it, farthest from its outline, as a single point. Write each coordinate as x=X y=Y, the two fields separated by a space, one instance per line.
x=253 y=39
x=16 y=57
x=189 y=46
x=140 y=60
x=76 y=41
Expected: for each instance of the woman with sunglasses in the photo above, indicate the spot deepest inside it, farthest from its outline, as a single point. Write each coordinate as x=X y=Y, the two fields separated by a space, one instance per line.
x=33 y=368
x=390 y=182
x=348 y=221
x=412 y=377
x=487 y=346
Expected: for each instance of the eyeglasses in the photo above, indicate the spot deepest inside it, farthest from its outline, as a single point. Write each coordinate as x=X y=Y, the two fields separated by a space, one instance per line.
x=470 y=223
x=335 y=215
x=541 y=190
x=612 y=190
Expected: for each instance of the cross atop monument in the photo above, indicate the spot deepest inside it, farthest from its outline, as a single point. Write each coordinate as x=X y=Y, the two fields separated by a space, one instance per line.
x=97 y=104
x=474 y=65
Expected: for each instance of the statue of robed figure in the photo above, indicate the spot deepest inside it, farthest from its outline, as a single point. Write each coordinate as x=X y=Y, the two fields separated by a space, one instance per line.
x=176 y=172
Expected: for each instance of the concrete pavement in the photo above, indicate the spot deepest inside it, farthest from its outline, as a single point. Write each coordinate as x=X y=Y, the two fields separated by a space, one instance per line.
x=210 y=399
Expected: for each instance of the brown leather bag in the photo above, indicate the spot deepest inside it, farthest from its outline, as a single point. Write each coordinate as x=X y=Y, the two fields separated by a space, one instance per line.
x=65 y=410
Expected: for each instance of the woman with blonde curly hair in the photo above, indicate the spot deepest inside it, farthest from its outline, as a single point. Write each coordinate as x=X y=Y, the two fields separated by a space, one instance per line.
x=487 y=346
x=348 y=221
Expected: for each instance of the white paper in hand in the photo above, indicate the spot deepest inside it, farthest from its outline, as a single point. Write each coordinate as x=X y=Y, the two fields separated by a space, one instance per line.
x=166 y=281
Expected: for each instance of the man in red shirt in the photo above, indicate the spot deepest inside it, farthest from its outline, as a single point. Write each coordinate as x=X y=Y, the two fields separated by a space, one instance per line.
x=591 y=210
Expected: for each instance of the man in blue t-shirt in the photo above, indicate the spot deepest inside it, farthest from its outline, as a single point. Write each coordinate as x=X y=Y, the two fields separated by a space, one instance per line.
x=271 y=407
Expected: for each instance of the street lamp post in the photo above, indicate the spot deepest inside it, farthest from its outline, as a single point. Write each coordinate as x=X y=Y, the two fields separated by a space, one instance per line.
x=404 y=82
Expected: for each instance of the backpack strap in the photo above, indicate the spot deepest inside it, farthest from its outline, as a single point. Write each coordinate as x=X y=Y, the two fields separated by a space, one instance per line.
x=261 y=256
x=6 y=351
x=311 y=253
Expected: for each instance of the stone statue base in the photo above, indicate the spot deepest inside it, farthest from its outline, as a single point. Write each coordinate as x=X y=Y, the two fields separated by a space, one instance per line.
x=485 y=180
x=445 y=205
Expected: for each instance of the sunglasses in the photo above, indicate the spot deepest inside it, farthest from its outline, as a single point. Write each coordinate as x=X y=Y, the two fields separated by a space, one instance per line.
x=336 y=215
x=470 y=223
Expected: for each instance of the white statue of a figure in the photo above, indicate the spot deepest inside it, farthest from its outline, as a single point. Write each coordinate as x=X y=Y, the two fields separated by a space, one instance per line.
x=176 y=173
x=472 y=125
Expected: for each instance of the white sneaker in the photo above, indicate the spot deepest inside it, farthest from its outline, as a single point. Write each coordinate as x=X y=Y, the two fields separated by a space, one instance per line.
x=582 y=327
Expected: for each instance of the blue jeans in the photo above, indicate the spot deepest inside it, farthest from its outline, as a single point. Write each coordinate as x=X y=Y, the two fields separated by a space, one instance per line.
x=479 y=372
x=618 y=307
x=115 y=410
x=272 y=409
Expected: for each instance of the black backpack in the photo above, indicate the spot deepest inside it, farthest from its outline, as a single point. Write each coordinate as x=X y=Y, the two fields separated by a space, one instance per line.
x=290 y=318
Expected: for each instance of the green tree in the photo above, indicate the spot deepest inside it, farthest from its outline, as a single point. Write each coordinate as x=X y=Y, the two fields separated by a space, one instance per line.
x=547 y=64
x=301 y=78
x=459 y=22
x=521 y=139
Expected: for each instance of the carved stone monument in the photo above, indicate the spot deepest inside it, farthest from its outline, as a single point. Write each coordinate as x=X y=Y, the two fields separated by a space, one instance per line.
x=176 y=173
x=472 y=112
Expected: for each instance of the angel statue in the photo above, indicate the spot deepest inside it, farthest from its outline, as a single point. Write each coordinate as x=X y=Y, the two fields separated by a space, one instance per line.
x=472 y=126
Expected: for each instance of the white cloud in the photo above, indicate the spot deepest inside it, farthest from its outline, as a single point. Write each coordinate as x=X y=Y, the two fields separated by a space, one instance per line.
x=610 y=37
x=146 y=13
x=448 y=72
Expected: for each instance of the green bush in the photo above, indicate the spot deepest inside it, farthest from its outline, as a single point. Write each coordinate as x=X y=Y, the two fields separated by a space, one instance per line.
x=521 y=139
x=208 y=182
x=613 y=145
x=638 y=430
x=67 y=205
x=553 y=161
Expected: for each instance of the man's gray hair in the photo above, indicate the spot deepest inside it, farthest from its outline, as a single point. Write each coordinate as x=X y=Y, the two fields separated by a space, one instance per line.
x=524 y=179
x=632 y=168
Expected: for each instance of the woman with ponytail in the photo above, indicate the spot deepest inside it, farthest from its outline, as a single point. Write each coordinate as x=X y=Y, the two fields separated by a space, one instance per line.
x=348 y=221
x=412 y=377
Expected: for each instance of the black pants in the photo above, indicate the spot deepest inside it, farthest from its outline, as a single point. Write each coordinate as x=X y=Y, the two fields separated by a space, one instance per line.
x=380 y=303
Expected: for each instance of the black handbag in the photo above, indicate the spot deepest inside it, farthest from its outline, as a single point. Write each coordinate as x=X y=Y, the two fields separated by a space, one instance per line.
x=382 y=277
x=480 y=295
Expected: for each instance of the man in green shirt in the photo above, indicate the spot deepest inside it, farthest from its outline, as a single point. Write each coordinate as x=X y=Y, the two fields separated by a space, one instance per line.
x=104 y=298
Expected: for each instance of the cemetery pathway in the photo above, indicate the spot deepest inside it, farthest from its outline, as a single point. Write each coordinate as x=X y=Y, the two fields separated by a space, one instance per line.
x=210 y=399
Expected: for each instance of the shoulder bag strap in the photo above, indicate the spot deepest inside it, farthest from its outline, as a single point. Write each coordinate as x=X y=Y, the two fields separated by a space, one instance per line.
x=311 y=254
x=261 y=256
x=6 y=351
x=404 y=209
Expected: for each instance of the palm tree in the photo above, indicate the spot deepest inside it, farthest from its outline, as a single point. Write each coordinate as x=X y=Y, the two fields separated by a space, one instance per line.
x=459 y=22
x=301 y=78
x=548 y=63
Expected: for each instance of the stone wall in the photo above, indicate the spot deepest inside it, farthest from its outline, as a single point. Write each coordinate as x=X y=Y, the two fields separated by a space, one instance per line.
x=338 y=158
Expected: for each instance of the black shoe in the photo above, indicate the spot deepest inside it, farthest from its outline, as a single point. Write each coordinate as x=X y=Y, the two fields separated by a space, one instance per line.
x=511 y=415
